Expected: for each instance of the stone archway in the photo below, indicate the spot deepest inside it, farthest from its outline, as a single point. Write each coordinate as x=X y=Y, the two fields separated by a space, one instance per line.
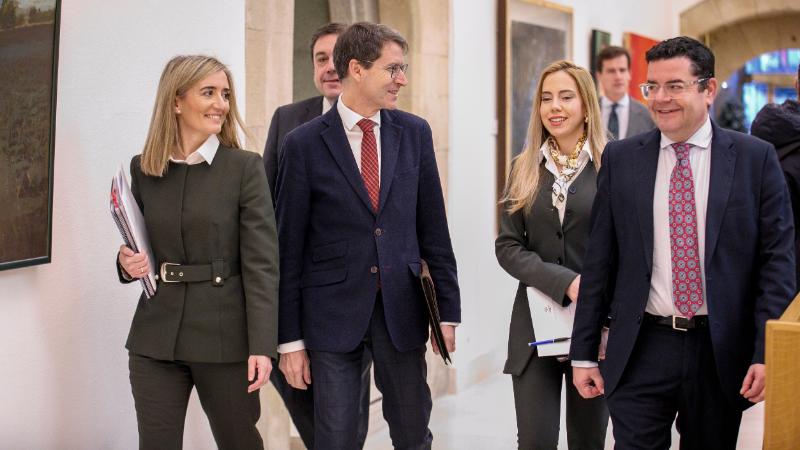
x=738 y=30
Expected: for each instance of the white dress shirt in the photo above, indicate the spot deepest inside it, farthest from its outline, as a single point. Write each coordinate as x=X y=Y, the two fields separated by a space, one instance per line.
x=623 y=113
x=583 y=158
x=205 y=153
x=659 y=301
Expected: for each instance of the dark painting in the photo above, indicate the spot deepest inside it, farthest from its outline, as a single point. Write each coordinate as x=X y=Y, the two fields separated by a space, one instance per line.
x=533 y=47
x=28 y=62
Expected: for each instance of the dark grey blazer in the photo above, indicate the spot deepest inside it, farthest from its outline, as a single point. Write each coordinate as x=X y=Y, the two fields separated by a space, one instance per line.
x=539 y=251
x=639 y=120
x=286 y=118
x=195 y=214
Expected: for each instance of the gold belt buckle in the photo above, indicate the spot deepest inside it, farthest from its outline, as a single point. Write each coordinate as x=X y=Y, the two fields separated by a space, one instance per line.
x=163 y=272
x=675 y=326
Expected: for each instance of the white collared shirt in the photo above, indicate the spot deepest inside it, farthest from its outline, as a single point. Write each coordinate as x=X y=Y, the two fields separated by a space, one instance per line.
x=354 y=134
x=583 y=158
x=623 y=113
x=659 y=302
x=205 y=153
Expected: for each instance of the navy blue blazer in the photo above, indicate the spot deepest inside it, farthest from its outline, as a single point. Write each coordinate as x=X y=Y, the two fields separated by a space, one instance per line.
x=749 y=258
x=334 y=248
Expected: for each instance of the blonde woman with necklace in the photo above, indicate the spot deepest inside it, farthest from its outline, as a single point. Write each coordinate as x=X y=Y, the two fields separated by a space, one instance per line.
x=544 y=230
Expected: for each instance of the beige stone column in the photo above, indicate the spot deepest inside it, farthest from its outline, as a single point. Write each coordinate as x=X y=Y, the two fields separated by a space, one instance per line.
x=269 y=29
x=352 y=11
x=426 y=26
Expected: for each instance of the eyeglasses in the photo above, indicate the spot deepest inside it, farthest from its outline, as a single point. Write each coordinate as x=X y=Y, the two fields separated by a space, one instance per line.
x=672 y=89
x=394 y=70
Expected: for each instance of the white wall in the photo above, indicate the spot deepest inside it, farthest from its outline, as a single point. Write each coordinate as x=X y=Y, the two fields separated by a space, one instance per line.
x=487 y=291
x=63 y=325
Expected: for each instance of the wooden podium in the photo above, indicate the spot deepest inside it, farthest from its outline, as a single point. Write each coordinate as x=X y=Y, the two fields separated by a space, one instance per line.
x=782 y=402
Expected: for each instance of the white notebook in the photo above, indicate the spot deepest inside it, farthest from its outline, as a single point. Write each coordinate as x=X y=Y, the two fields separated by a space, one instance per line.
x=550 y=321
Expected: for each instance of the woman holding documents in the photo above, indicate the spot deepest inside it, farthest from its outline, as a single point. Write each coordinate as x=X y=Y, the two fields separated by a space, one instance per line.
x=212 y=323
x=544 y=229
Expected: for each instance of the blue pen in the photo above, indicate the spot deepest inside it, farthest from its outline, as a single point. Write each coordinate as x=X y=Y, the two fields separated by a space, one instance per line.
x=548 y=341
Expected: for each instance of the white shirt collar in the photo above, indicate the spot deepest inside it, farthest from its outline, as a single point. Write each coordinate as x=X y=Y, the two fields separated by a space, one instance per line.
x=327 y=104
x=623 y=102
x=350 y=118
x=205 y=153
x=700 y=139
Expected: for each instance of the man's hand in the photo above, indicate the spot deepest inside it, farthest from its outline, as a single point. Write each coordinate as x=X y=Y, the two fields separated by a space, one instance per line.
x=258 y=369
x=754 y=383
x=297 y=369
x=572 y=289
x=449 y=334
x=588 y=381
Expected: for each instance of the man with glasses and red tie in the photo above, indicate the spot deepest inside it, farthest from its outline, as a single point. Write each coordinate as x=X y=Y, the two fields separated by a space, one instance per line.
x=359 y=205
x=690 y=253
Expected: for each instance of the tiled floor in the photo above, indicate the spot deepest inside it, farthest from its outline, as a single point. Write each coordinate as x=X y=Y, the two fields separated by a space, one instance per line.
x=481 y=417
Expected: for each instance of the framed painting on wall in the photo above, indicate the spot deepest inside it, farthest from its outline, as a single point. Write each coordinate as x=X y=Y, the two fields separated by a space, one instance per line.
x=599 y=41
x=29 y=32
x=637 y=46
x=531 y=35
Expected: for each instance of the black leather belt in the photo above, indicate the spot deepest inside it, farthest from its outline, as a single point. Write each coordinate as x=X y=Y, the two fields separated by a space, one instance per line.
x=216 y=272
x=679 y=323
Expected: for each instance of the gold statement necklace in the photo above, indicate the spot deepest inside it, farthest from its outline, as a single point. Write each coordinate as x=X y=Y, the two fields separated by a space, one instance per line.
x=568 y=163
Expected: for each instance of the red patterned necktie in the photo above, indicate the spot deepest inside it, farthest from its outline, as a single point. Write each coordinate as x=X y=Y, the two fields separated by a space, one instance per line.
x=687 y=287
x=369 y=161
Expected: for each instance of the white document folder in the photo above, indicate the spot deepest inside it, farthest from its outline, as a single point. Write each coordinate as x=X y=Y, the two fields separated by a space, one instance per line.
x=550 y=321
x=130 y=221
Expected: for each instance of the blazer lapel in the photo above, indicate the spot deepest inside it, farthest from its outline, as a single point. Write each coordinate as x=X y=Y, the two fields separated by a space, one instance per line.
x=313 y=109
x=646 y=167
x=723 y=162
x=390 y=147
x=339 y=147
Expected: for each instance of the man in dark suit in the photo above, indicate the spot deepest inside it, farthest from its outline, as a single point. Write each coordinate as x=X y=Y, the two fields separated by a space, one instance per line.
x=690 y=254
x=300 y=402
x=359 y=206
x=622 y=116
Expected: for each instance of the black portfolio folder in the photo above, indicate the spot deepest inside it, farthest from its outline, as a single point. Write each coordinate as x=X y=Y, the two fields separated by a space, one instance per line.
x=433 y=310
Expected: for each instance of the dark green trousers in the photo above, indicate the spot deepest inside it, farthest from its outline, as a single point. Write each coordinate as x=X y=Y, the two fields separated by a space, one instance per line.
x=161 y=394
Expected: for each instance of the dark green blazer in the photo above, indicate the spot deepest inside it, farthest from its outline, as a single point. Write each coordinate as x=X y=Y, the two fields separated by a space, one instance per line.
x=539 y=251
x=195 y=214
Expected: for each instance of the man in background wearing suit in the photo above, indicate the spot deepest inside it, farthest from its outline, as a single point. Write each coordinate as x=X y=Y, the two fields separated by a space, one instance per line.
x=359 y=206
x=300 y=402
x=622 y=116
x=690 y=253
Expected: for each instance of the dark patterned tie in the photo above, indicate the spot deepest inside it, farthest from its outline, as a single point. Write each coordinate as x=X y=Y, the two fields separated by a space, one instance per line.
x=369 y=161
x=687 y=287
x=613 y=122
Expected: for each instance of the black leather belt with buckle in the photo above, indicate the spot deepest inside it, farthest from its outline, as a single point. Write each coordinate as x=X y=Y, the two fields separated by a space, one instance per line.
x=678 y=322
x=216 y=272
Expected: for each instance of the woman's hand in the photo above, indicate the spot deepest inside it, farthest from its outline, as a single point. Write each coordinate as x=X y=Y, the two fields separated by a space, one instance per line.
x=572 y=290
x=258 y=369
x=135 y=265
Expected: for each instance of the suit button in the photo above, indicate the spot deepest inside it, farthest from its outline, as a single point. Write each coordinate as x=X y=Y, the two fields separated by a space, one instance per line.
x=373 y=269
x=639 y=318
x=647 y=275
x=558 y=261
x=378 y=232
x=572 y=189
x=560 y=234
x=568 y=212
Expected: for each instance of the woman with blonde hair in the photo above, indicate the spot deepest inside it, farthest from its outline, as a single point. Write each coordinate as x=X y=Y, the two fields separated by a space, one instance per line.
x=544 y=230
x=212 y=324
